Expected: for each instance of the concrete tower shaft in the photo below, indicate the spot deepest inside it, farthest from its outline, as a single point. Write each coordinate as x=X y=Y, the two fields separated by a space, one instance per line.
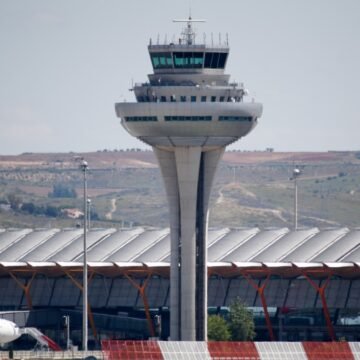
x=188 y=173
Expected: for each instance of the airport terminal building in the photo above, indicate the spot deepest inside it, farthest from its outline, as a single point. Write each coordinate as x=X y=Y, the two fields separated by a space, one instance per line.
x=301 y=285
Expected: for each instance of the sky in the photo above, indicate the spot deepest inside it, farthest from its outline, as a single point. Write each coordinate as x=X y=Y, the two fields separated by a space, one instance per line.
x=65 y=63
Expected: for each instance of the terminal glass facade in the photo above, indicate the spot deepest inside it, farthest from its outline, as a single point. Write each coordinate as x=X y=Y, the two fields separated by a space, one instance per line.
x=294 y=307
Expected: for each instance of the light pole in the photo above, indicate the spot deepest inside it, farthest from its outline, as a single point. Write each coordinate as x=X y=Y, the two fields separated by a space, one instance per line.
x=66 y=319
x=84 y=168
x=296 y=174
x=89 y=212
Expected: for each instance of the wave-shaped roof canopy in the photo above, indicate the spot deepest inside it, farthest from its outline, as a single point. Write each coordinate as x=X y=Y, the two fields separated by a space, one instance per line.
x=243 y=245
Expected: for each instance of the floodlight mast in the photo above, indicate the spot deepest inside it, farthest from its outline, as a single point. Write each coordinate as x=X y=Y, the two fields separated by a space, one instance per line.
x=84 y=168
x=296 y=174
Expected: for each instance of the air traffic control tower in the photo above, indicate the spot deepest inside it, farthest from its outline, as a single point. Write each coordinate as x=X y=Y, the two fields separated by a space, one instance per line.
x=188 y=112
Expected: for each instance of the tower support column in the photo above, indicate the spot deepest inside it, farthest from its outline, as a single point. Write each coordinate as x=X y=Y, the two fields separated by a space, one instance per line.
x=188 y=173
x=167 y=165
x=187 y=165
x=207 y=171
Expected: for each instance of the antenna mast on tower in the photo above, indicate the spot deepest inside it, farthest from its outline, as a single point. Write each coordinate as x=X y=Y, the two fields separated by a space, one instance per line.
x=188 y=33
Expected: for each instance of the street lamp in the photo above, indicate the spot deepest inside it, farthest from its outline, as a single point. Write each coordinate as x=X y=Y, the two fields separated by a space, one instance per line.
x=84 y=168
x=296 y=174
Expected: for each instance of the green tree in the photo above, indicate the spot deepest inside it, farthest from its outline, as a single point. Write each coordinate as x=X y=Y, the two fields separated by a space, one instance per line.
x=52 y=211
x=241 y=322
x=218 y=329
x=14 y=201
x=28 y=207
x=62 y=191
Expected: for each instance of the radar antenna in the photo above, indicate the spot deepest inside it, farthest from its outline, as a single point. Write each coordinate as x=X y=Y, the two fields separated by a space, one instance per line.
x=188 y=33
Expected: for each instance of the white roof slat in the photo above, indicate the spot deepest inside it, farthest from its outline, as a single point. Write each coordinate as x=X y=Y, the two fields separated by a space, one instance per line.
x=229 y=242
x=28 y=243
x=133 y=249
x=315 y=245
x=53 y=245
x=214 y=264
x=249 y=249
x=157 y=252
x=278 y=265
x=343 y=265
x=11 y=237
x=245 y=264
x=278 y=250
x=103 y=250
x=74 y=250
x=306 y=265
x=156 y=264
x=343 y=250
x=100 y=264
x=66 y=264
x=354 y=253
x=41 y=264
x=124 y=264
x=7 y=264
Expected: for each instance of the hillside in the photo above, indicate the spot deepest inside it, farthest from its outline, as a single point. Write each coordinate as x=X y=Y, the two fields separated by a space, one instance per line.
x=251 y=189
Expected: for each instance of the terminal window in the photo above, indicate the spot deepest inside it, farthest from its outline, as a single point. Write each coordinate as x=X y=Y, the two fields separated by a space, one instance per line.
x=140 y=118
x=234 y=118
x=188 y=118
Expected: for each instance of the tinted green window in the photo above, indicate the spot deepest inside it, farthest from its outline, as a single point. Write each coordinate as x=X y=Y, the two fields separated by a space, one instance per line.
x=188 y=59
x=161 y=60
x=193 y=99
x=203 y=99
x=213 y=98
x=183 y=98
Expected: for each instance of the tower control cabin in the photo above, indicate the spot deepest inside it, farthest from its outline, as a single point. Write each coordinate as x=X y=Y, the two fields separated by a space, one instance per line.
x=188 y=112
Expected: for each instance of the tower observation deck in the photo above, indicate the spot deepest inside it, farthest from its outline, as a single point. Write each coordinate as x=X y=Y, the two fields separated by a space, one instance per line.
x=188 y=112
